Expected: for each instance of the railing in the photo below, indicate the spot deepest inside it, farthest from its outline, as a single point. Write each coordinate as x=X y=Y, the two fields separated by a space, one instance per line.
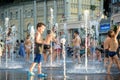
x=70 y=19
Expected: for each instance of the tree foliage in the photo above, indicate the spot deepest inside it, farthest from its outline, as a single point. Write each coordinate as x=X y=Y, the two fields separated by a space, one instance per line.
x=92 y=7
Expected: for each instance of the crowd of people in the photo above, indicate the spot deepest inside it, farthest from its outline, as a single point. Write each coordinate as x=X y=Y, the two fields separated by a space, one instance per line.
x=52 y=45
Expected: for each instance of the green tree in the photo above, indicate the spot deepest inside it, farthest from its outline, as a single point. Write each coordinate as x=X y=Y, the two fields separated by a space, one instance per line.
x=92 y=7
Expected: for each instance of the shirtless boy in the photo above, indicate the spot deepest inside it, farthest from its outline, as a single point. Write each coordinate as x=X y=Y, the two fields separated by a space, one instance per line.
x=113 y=46
x=76 y=45
x=47 y=46
x=106 y=48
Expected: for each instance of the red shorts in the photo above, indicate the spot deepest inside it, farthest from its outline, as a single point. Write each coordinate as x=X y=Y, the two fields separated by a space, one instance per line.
x=58 y=50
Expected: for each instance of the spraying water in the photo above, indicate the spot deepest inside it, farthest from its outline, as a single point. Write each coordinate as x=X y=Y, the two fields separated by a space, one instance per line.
x=86 y=15
x=32 y=35
x=87 y=67
x=6 y=25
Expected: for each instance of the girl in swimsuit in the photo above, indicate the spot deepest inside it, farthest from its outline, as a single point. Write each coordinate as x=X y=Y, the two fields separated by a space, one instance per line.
x=28 y=47
x=9 y=41
x=57 y=49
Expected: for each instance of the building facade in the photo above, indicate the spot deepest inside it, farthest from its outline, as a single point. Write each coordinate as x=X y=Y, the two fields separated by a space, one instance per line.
x=25 y=14
x=115 y=18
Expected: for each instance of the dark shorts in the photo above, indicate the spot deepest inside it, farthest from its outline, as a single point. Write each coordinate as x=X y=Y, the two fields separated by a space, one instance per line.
x=106 y=53
x=46 y=46
x=112 y=53
x=38 y=58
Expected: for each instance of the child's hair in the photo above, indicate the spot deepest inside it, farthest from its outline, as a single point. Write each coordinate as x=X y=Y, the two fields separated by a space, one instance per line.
x=100 y=50
x=76 y=32
x=28 y=36
x=48 y=31
x=1 y=40
x=17 y=41
x=115 y=28
x=22 y=41
x=40 y=25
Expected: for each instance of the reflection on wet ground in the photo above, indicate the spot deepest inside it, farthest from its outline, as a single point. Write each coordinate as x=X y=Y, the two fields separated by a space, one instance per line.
x=22 y=75
x=17 y=70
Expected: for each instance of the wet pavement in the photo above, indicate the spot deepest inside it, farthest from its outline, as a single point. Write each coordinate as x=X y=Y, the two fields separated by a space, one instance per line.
x=22 y=75
x=18 y=68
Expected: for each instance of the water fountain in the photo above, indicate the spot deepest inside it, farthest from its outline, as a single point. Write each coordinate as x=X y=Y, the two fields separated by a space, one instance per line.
x=1 y=44
x=56 y=29
x=87 y=67
x=10 y=63
x=51 y=64
x=14 y=36
x=63 y=41
x=32 y=36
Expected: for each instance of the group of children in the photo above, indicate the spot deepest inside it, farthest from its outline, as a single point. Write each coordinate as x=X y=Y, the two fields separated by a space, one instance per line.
x=79 y=48
x=52 y=45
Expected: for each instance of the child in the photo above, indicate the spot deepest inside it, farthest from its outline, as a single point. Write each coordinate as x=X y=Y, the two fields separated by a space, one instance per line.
x=98 y=54
x=22 y=49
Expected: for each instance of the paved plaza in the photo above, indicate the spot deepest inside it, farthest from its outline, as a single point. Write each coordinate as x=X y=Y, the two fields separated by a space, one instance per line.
x=18 y=68
x=22 y=75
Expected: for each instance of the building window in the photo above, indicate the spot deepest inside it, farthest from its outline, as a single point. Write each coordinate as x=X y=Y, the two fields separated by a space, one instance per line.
x=2 y=16
x=118 y=8
x=112 y=1
x=28 y=13
x=6 y=14
x=115 y=1
x=16 y=15
x=11 y=15
x=25 y=13
x=31 y=12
